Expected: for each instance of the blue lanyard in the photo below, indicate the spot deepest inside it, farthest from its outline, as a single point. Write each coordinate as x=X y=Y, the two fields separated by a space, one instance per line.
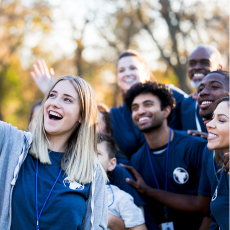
x=38 y=216
x=113 y=195
x=166 y=174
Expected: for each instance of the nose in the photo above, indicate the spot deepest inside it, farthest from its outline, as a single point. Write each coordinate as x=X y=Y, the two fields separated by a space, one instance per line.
x=204 y=92
x=198 y=66
x=211 y=124
x=141 y=110
x=56 y=103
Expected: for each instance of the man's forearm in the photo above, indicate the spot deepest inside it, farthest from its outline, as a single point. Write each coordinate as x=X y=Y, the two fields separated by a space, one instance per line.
x=180 y=202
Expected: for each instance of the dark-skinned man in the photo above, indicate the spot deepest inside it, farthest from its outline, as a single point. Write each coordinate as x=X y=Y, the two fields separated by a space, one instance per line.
x=169 y=159
x=203 y=59
x=214 y=86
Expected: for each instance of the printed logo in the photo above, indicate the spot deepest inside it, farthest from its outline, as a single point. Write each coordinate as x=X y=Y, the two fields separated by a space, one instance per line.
x=73 y=185
x=180 y=175
x=214 y=195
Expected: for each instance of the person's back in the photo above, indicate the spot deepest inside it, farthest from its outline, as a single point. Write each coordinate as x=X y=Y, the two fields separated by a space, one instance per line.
x=121 y=204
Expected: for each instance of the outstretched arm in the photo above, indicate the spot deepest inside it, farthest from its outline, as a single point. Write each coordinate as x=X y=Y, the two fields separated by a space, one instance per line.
x=43 y=77
x=180 y=202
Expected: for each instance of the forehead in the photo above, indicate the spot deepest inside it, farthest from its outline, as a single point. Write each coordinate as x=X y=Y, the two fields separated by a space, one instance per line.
x=127 y=61
x=146 y=97
x=102 y=147
x=200 y=53
x=66 y=87
x=222 y=108
x=214 y=77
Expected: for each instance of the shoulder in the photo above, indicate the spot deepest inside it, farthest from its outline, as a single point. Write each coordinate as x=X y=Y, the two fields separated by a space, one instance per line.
x=207 y=153
x=182 y=136
x=176 y=91
x=188 y=100
x=136 y=157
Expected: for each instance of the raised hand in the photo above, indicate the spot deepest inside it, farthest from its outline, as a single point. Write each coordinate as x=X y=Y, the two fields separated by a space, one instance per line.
x=139 y=184
x=197 y=134
x=43 y=77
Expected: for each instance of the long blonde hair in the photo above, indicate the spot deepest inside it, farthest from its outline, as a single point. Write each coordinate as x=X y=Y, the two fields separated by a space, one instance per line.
x=79 y=158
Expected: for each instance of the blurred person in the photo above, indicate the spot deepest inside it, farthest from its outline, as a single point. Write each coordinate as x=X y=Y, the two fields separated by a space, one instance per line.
x=120 y=203
x=118 y=175
x=131 y=69
x=46 y=173
x=214 y=86
x=169 y=159
x=218 y=139
x=35 y=110
x=203 y=60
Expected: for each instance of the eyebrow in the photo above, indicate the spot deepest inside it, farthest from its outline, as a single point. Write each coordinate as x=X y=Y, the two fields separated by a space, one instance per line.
x=203 y=59
x=223 y=115
x=67 y=95
x=216 y=82
x=143 y=102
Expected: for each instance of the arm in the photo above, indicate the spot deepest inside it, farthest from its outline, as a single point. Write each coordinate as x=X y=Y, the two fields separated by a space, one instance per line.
x=97 y=204
x=226 y=163
x=115 y=223
x=140 y=227
x=180 y=202
x=205 y=223
x=43 y=77
x=196 y=133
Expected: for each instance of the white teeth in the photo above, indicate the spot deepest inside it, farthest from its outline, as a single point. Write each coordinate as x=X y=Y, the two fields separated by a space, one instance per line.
x=212 y=135
x=128 y=80
x=143 y=118
x=206 y=102
x=198 y=75
x=55 y=114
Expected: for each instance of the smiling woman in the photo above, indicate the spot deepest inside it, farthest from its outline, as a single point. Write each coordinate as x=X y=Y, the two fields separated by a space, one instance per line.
x=60 y=164
x=218 y=129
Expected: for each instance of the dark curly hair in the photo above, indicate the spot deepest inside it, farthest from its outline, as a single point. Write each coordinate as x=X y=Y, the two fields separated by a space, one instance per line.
x=160 y=90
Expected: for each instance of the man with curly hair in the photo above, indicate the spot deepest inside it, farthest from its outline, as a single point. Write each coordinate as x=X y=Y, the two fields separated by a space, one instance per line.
x=169 y=160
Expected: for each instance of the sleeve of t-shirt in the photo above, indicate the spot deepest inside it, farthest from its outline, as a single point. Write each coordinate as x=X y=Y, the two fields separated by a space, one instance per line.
x=196 y=155
x=119 y=175
x=204 y=185
x=129 y=212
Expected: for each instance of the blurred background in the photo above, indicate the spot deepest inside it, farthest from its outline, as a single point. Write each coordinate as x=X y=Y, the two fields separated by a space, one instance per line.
x=85 y=37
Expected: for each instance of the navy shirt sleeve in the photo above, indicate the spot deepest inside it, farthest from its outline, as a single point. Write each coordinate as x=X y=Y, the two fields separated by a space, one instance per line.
x=117 y=178
x=204 y=185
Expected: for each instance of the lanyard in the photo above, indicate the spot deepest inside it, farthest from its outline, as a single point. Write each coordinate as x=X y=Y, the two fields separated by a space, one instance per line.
x=196 y=119
x=38 y=216
x=113 y=195
x=166 y=174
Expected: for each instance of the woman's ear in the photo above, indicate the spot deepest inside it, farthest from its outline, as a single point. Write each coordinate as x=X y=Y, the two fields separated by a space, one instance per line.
x=112 y=164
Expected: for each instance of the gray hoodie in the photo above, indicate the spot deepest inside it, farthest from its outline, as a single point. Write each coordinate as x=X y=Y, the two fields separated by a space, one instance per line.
x=14 y=147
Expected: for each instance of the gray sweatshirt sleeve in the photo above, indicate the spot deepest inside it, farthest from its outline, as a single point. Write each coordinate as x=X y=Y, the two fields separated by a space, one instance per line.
x=98 y=202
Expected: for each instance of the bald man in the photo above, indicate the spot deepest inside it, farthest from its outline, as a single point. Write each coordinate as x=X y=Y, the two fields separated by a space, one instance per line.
x=203 y=59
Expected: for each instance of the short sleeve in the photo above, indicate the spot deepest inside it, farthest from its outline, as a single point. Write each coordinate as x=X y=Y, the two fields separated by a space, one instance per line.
x=204 y=184
x=129 y=212
x=118 y=177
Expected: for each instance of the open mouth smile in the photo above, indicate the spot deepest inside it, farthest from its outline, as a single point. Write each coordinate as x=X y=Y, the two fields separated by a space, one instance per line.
x=54 y=116
x=212 y=136
x=205 y=104
x=143 y=120
x=198 y=76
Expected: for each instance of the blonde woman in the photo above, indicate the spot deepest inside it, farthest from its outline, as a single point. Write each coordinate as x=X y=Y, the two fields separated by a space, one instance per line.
x=50 y=177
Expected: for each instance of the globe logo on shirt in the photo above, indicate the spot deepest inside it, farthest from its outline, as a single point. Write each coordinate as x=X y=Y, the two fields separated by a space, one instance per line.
x=214 y=195
x=73 y=185
x=180 y=175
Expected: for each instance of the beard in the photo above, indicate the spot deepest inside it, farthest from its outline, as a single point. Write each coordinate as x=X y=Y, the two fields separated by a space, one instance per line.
x=195 y=84
x=156 y=123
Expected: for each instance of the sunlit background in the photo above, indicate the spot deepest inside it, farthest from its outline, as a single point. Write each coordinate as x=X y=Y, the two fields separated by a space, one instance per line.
x=85 y=37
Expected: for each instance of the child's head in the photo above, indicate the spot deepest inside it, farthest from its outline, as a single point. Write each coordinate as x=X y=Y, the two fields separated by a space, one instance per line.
x=106 y=151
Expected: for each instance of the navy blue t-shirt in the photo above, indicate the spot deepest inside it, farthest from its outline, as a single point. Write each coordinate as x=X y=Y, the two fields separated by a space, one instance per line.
x=220 y=202
x=128 y=138
x=66 y=207
x=188 y=113
x=209 y=174
x=117 y=177
x=184 y=168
